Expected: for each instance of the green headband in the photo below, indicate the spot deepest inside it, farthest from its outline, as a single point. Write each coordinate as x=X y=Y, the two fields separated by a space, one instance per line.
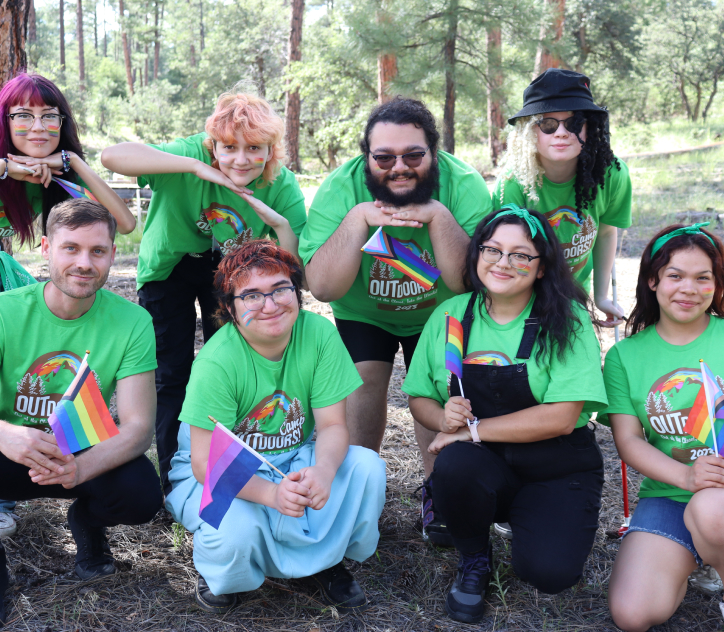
x=533 y=222
x=694 y=229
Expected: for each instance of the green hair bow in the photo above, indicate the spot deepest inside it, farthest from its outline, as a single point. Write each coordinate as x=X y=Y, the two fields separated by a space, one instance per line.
x=694 y=229
x=533 y=222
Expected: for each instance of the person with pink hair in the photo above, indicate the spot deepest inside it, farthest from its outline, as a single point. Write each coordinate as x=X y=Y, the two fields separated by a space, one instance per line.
x=212 y=192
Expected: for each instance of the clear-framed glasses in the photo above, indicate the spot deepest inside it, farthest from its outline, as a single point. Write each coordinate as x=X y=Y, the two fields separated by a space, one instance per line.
x=516 y=260
x=255 y=300
x=550 y=125
x=51 y=121
x=411 y=159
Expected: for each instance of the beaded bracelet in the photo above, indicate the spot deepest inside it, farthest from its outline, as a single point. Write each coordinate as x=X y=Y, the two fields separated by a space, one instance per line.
x=5 y=175
x=66 y=160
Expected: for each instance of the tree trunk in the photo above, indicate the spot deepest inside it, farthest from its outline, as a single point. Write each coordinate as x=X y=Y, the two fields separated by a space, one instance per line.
x=145 y=52
x=201 y=25
x=32 y=23
x=544 y=59
x=293 y=102
x=126 y=49
x=157 y=39
x=685 y=99
x=260 y=80
x=79 y=37
x=386 y=72
x=192 y=50
x=448 y=118
x=95 y=28
x=496 y=121
x=705 y=113
x=13 y=27
x=105 y=34
x=61 y=21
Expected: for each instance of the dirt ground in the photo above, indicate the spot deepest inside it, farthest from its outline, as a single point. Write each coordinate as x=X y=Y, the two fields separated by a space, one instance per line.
x=406 y=580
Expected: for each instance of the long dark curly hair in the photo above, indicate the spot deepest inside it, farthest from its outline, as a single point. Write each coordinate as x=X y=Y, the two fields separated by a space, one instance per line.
x=556 y=291
x=595 y=159
x=647 y=311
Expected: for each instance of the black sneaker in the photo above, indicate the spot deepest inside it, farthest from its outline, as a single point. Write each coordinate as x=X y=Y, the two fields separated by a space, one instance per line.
x=93 y=557
x=434 y=528
x=340 y=589
x=217 y=604
x=466 y=600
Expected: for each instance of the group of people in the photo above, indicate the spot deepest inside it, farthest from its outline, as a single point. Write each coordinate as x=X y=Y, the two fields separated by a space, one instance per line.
x=510 y=441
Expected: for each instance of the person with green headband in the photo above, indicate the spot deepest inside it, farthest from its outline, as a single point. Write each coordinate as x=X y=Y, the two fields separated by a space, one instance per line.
x=657 y=389
x=513 y=443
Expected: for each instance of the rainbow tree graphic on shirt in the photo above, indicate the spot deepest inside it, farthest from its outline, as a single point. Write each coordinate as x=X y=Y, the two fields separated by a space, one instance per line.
x=487 y=357
x=564 y=214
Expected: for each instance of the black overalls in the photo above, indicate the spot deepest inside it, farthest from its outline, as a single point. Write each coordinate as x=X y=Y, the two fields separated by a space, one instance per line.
x=549 y=491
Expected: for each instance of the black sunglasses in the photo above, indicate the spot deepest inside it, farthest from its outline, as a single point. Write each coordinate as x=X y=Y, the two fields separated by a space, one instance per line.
x=412 y=159
x=573 y=124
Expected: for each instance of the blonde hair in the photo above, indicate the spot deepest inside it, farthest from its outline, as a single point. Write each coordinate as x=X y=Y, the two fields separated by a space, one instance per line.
x=520 y=159
x=258 y=123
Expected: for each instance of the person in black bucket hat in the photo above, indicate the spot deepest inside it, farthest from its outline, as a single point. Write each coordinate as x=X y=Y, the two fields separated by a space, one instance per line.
x=559 y=161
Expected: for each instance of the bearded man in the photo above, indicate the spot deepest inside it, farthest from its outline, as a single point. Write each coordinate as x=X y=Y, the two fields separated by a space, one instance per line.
x=423 y=197
x=45 y=330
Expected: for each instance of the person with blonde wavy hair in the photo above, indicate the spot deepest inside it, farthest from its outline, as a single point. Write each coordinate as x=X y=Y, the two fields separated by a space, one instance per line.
x=212 y=192
x=559 y=161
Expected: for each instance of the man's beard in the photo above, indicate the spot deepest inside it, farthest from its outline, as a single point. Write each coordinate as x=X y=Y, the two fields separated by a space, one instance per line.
x=421 y=194
x=61 y=282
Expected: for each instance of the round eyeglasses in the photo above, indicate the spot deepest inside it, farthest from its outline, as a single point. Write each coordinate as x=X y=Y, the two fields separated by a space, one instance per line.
x=516 y=260
x=255 y=300
x=24 y=120
x=550 y=125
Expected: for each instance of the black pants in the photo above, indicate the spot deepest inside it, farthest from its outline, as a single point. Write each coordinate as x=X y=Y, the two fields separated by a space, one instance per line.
x=128 y=494
x=171 y=305
x=549 y=491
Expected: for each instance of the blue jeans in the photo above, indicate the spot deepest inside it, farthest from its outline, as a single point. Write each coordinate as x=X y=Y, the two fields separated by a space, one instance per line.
x=7 y=506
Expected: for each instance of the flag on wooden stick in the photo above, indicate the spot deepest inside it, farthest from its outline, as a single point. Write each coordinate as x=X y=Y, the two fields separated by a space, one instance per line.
x=81 y=418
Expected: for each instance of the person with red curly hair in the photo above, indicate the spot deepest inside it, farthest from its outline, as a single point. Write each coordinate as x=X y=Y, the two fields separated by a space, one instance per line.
x=212 y=192
x=273 y=374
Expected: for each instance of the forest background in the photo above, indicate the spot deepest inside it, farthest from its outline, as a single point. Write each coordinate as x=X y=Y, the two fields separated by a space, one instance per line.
x=151 y=70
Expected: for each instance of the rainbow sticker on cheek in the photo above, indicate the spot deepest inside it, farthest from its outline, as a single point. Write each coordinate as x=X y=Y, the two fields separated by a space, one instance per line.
x=524 y=271
x=246 y=317
x=53 y=130
x=707 y=292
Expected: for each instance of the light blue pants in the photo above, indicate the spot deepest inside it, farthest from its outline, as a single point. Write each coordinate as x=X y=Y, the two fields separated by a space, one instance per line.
x=255 y=541
x=7 y=506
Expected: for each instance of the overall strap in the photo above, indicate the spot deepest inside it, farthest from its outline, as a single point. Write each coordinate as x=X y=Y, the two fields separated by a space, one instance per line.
x=467 y=322
x=530 y=333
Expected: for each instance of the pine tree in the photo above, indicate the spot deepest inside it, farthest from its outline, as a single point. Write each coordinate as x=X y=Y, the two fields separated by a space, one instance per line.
x=35 y=386
x=388 y=272
x=650 y=406
x=24 y=384
x=376 y=270
x=427 y=258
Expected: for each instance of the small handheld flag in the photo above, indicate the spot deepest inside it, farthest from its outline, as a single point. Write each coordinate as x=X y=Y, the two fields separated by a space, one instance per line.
x=392 y=252
x=75 y=190
x=231 y=465
x=708 y=407
x=454 y=348
x=81 y=418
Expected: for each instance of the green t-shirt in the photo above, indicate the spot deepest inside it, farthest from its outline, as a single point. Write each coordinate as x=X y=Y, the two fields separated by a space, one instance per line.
x=380 y=295
x=576 y=379
x=185 y=212
x=576 y=231
x=35 y=198
x=40 y=353
x=269 y=404
x=658 y=382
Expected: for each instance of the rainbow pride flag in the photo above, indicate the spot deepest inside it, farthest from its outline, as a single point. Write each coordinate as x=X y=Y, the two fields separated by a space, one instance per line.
x=708 y=407
x=231 y=465
x=81 y=418
x=75 y=190
x=390 y=251
x=453 y=345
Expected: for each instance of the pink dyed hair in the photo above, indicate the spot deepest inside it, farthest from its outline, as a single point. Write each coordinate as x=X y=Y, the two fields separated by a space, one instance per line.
x=258 y=123
x=37 y=90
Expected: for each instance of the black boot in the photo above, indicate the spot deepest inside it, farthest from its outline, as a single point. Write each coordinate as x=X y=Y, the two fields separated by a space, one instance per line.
x=3 y=583
x=218 y=604
x=93 y=557
x=340 y=589
x=434 y=528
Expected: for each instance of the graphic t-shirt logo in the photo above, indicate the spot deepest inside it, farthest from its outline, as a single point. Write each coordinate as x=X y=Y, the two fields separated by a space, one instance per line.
x=5 y=229
x=44 y=384
x=226 y=225
x=495 y=358
x=395 y=291
x=668 y=404
x=275 y=424
x=576 y=232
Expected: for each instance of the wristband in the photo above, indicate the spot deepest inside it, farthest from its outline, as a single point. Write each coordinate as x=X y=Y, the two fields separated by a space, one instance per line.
x=473 y=426
x=66 y=160
x=5 y=175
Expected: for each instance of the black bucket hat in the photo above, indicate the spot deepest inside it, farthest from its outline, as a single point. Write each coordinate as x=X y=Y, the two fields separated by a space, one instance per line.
x=557 y=90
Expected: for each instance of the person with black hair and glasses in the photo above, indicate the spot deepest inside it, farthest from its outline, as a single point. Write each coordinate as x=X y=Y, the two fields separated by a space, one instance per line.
x=517 y=447
x=425 y=198
x=559 y=161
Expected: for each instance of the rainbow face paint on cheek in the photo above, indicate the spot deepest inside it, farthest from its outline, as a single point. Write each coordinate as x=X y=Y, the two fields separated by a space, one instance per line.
x=246 y=317
x=21 y=129
x=224 y=159
x=258 y=162
x=707 y=292
x=524 y=271
x=53 y=130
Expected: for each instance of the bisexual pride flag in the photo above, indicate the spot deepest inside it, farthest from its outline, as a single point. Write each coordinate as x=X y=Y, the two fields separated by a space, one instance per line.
x=81 y=418
x=231 y=465
x=390 y=251
x=453 y=345
x=75 y=190
x=707 y=409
